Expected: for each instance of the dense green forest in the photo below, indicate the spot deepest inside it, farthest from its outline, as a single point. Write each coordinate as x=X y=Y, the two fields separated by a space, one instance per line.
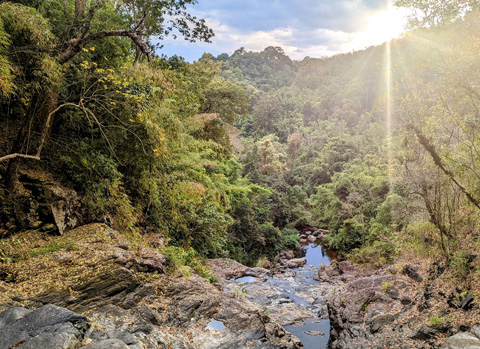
x=378 y=146
x=231 y=155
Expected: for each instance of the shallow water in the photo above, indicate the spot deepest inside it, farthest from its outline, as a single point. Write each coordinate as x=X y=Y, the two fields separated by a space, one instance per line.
x=312 y=341
x=297 y=287
x=246 y=279
x=215 y=325
x=316 y=254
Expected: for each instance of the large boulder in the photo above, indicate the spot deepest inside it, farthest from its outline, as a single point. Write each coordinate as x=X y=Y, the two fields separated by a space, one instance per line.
x=462 y=340
x=47 y=327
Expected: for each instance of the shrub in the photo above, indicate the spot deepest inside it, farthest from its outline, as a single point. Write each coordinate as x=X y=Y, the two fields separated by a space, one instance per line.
x=290 y=239
x=460 y=263
x=435 y=321
x=177 y=258
x=378 y=253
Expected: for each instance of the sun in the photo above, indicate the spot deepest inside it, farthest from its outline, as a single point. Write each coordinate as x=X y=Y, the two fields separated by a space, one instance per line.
x=384 y=26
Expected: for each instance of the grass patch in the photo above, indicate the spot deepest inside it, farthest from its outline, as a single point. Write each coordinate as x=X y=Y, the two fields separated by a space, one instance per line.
x=435 y=321
x=53 y=247
x=386 y=285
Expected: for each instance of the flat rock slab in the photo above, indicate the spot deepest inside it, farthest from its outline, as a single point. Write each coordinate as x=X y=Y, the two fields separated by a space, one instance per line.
x=462 y=340
x=315 y=333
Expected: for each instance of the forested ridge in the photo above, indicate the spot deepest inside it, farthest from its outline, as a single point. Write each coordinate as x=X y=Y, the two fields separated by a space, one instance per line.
x=232 y=155
x=377 y=146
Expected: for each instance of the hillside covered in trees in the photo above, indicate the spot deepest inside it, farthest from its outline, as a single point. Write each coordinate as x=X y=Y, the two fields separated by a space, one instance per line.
x=378 y=146
x=229 y=155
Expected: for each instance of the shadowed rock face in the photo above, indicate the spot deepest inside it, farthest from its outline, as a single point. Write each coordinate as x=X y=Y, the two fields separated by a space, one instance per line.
x=48 y=327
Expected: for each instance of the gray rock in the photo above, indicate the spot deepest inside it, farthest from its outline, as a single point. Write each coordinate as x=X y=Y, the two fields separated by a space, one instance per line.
x=49 y=315
x=411 y=272
x=296 y=262
x=315 y=333
x=108 y=344
x=344 y=267
x=380 y=321
x=425 y=333
x=467 y=302
x=52 y=341
x=462 y=340
x=47 y=327
x=112 y=286
x=476 y=330
x=11 y=315
x=65 y=207
x=152 y=261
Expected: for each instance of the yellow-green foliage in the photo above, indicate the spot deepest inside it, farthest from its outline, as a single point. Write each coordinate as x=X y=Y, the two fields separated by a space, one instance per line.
x=435 y=321
x=177 y=258
x=419 y=239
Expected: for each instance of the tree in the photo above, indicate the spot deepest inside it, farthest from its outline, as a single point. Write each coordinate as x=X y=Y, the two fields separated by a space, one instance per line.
x=79 y=26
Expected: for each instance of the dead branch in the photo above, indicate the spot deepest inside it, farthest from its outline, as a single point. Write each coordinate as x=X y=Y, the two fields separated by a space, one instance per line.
x=429 y=147
x=16 y=155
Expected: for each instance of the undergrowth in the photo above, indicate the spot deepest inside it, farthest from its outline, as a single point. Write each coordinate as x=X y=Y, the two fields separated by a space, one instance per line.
x=177 y=258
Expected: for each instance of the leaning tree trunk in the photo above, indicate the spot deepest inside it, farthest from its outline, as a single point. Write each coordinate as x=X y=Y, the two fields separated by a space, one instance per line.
x=37 y=117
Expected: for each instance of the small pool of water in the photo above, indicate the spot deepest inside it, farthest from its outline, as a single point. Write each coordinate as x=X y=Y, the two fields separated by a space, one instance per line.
x=317 y=254
x=246 y=279
x=215 y=325
x=312 y=326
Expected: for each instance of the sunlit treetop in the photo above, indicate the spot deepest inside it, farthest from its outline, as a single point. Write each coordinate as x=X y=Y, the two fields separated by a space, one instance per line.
x=431 y=13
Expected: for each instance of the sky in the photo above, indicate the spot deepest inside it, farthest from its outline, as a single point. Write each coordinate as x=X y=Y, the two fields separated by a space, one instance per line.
x=313 y=28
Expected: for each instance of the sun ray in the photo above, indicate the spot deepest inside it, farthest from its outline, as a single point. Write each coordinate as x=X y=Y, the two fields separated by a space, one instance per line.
x=389 y=106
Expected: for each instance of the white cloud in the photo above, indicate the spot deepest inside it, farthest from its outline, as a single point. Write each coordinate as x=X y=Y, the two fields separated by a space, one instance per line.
x=300 y=34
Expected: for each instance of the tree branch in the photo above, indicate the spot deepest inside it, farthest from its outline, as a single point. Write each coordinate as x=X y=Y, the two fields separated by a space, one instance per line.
x=429 y=147
x=48 y=123
x=76 y=44
x=16 y=155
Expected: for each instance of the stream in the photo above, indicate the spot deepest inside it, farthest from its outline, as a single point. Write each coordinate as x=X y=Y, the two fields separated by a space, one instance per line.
x=293 y=298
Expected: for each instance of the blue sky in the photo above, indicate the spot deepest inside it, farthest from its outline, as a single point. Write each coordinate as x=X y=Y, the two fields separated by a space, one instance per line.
x=302 y=27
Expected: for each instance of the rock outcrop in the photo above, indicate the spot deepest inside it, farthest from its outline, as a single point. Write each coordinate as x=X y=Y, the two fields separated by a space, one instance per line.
x=127 y=299
x=377 y=308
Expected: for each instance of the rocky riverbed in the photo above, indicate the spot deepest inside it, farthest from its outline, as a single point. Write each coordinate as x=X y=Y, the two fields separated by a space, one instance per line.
x=103 y=292
x=106 y=293
x=290 y=296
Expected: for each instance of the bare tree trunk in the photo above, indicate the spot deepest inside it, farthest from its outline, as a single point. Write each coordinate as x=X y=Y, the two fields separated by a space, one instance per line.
x=79 y=8
x=436 y=220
